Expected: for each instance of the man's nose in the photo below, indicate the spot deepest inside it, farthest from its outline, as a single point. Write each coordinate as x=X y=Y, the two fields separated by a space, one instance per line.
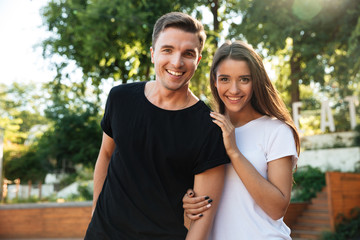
x=177 y=60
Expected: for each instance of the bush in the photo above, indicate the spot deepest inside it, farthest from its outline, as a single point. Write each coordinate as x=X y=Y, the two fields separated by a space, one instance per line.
x=357 y=136
x=31 y=199
x=307 y=182
x=347 y=229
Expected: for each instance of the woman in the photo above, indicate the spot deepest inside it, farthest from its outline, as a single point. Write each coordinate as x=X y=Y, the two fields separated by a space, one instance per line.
x=262 y=143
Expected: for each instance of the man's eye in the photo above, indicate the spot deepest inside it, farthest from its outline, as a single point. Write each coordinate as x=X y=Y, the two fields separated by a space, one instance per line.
x=189 y=54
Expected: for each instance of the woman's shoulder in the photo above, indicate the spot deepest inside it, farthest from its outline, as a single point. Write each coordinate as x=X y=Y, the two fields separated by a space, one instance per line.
x=272 y=121
x=271 y=125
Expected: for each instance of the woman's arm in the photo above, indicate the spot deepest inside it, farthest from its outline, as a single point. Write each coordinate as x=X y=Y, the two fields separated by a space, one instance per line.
x=272 y=194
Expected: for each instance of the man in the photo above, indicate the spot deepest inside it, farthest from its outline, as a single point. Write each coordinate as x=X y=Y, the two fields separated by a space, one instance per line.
x=158 y=141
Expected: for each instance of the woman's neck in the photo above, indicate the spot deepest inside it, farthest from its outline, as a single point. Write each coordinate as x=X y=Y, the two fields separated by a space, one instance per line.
x=239 y=119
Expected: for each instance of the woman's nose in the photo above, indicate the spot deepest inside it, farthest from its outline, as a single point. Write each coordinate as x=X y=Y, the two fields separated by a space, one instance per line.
x=234 y=88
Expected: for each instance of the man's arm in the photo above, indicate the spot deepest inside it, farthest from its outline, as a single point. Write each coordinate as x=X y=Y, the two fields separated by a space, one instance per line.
x=208 y=183
x=101 y=166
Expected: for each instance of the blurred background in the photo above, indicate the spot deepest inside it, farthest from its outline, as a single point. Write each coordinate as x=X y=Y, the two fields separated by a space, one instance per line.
x=59 y=59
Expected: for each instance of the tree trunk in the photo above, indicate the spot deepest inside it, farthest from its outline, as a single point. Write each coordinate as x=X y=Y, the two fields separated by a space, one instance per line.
x=214 y=7
x=294 y=76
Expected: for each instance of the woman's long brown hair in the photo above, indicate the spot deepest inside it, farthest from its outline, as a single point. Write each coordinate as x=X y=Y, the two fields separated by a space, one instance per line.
x=265 y=99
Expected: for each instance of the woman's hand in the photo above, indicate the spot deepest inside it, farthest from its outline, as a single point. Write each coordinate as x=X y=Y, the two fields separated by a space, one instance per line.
x=195 y=206
x=228 y=131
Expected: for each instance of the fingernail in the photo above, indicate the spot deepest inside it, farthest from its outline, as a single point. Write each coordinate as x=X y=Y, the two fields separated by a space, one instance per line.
x=209 y=205
x=207 y=197
x=201 y=215
x=191 y=193
x=210 y=200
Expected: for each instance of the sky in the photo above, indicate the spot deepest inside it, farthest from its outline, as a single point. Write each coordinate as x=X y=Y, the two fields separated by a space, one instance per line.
x=21 y=31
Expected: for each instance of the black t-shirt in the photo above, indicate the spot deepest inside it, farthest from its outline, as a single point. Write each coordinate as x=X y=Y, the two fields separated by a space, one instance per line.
x=157 y=154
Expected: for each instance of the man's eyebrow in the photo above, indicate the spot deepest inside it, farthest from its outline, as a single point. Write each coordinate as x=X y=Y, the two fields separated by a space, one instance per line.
x=190 y=50
x=166 y=46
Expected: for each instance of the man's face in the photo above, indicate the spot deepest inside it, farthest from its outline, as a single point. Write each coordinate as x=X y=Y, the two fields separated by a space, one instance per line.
x=175 y=57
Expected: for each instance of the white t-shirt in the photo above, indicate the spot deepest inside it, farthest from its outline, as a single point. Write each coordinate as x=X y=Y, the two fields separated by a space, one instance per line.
x=239 y=217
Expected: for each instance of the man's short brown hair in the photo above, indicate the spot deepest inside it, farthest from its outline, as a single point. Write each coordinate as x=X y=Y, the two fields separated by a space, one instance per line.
x=181 y=21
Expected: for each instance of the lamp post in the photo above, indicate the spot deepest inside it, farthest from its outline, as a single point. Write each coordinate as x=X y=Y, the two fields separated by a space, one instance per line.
x=1 y=160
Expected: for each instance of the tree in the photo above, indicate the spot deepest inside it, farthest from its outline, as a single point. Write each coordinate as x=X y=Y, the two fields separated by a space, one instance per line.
x=111 y=39
x=20 y=106
x=107 y=38
x=75 y=134
x=26 y=165
x=16 y=115
x=74 y=138
x=319 y=36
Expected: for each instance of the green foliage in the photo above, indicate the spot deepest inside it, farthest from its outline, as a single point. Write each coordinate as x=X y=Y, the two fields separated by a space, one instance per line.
x=85 y=190
x=75 y=138
x=111 y=39
x=357 y=136
x=314 y=39
x=107 y=38
x=31 y=199
x=26 y=165
x=307 y=182
x=82 y=174
x=71 y=132
x=347 y=229
x=17 y=116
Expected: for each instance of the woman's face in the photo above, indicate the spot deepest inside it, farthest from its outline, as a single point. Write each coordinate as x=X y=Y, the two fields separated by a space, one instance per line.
x=234 y=85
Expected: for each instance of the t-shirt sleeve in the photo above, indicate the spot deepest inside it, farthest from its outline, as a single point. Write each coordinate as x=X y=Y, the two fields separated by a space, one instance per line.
x=212 y=153
x=282 y=144
x=106 y=120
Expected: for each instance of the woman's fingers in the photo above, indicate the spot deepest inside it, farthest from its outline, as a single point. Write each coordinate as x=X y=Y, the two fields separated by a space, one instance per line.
x=193 y=200
x=194 y=217
x=190 y=192
x=197 y=205
x=196 y=202
x=223 y=122
x=221 y=118
x=199 y=209
x=195 y=208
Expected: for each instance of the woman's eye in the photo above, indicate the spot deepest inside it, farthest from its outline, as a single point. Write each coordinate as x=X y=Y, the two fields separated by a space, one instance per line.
x=245 y=80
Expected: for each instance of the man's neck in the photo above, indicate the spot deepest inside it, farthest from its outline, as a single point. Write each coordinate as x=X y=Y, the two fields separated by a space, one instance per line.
x=169 y=99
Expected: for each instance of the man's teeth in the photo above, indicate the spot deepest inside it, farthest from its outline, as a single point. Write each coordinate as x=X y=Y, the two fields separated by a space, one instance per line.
x=175 y=73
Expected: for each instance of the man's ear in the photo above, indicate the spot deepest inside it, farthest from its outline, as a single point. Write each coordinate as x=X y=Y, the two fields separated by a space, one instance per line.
x=152 y=54
x=198 y=61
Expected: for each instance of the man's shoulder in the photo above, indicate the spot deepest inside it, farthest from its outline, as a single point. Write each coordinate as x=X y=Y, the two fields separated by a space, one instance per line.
x=127 y=87
x=202 y=121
